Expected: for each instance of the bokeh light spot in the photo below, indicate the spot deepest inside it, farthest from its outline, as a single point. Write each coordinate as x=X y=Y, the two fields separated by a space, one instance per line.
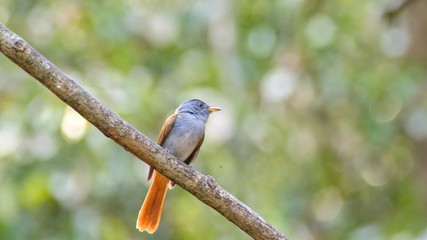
x=10 y=138
x=43 y=146
x=320 y=30
x=327 y=204
x=416 y=124
x=73 y=125
x=385 y=109
x=261 y=41
x=374 y=176
x=278 y=85
x=395 y=42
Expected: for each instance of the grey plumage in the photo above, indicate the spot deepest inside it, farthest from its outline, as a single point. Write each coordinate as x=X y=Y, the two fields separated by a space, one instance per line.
x=181 y=135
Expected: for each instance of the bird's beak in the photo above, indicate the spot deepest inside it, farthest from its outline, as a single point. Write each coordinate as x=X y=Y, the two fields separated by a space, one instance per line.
x=214 y=109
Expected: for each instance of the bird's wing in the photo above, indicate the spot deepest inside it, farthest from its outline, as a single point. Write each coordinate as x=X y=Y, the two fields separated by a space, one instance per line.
x=164 y=132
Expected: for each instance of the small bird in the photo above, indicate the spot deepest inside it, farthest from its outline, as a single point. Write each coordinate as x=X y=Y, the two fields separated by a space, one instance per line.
x=181 y=135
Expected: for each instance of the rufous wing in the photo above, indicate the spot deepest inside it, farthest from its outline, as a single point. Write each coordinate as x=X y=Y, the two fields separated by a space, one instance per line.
x=164 y=132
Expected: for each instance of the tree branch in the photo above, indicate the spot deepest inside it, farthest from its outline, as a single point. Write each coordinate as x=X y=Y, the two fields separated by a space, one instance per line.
x=205 y=188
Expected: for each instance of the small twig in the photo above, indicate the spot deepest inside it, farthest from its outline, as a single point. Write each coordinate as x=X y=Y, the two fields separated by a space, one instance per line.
x=203 y=187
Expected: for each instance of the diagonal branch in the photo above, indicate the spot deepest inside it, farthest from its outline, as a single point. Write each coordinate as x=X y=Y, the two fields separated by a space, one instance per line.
x=205 y=188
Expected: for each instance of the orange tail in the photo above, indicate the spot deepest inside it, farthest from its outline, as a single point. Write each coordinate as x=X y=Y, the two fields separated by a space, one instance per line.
x=151 y=210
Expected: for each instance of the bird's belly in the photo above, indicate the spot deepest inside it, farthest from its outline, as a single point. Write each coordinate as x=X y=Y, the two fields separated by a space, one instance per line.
x=182 y=143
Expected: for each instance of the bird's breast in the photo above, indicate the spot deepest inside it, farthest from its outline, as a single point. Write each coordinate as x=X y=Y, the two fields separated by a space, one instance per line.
x=184 y=136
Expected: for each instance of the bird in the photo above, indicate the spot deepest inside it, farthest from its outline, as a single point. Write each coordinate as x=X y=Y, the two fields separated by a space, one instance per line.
x=182 y=135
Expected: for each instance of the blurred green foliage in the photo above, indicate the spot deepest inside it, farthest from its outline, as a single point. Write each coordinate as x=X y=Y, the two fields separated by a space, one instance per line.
x=323 y=130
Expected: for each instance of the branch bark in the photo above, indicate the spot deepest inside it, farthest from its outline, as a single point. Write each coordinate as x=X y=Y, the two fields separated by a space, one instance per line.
x=205 y=188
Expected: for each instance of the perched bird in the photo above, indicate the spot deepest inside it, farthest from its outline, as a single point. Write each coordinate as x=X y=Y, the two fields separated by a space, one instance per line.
x=182 y=135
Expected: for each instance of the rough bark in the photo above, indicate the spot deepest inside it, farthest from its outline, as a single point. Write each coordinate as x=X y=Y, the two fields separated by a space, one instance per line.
x=205 y=188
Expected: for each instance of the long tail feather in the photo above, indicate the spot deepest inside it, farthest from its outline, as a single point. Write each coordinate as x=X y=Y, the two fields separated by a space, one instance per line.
x=151 y=209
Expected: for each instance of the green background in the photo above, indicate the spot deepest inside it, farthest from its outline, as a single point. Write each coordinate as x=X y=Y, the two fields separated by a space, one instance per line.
x=323 y=130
